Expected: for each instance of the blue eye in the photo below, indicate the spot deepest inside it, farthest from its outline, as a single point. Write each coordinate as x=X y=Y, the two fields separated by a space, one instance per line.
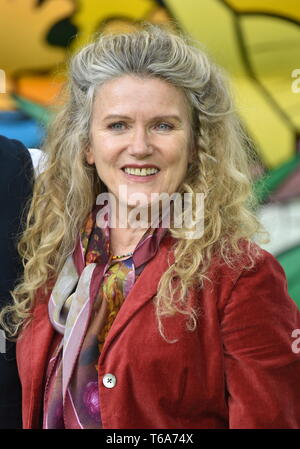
x=118 y=126
x=164 y=126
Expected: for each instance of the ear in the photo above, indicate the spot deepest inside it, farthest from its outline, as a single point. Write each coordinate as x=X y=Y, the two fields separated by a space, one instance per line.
x=89 y=155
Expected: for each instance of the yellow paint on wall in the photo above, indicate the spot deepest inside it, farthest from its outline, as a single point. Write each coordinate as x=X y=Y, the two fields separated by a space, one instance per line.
x=273 y=47
x=214 y=25
x=273 y=44
x=211 y=24
x=274 y=138
x=91 y=13
x=23 y=31
x=284 y=8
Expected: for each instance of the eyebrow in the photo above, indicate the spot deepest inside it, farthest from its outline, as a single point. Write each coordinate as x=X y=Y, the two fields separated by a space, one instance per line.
x=158 y=117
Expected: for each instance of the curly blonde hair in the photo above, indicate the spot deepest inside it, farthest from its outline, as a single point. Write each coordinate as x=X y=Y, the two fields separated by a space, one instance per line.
x=66 y=190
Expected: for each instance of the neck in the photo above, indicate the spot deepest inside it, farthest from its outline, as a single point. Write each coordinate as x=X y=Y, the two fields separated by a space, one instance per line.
x=124 y=240
x=124 y=233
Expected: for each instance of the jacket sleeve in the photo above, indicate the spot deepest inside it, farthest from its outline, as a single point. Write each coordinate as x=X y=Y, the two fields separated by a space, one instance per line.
x=261 y=354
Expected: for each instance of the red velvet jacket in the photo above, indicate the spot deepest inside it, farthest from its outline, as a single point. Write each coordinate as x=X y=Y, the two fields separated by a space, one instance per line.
x=239 y=369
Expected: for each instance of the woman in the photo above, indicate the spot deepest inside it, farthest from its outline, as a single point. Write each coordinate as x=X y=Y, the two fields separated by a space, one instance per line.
x=150 y=326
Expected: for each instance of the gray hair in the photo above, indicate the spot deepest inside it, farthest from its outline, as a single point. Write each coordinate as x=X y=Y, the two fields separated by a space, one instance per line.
x=150 y=52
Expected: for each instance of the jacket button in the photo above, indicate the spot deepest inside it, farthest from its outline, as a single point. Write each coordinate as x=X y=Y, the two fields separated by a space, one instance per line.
x=109 y=380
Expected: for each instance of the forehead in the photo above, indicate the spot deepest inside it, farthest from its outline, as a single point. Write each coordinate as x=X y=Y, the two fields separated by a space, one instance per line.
x=130 y=94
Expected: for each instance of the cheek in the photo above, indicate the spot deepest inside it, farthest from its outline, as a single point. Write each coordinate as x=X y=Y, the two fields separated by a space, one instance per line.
x=103 y=153
x=178 y=159
x=176 y=172
x=109 y=149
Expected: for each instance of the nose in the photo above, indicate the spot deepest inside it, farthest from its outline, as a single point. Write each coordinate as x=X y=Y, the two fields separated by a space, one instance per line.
x=139 y=145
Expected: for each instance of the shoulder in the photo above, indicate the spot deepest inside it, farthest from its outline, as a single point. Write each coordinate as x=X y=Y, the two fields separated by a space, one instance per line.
x=12 y=147
x=253 y=261
x=262 y=282
x=265 y=273
x=14 y=155
x=248 y=296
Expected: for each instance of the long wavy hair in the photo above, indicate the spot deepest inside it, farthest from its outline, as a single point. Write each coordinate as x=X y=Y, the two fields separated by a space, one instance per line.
x=66 y=191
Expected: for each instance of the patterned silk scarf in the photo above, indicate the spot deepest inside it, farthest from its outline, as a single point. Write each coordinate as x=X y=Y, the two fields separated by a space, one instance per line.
x=87 y=296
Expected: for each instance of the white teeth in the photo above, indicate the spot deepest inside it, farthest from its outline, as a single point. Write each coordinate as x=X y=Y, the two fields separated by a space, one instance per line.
x=140 y=171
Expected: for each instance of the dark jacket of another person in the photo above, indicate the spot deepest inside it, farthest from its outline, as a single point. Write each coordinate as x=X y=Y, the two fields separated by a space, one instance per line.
x=16 y=175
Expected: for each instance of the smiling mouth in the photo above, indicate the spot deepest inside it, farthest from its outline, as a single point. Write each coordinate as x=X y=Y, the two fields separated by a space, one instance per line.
x=140 y=171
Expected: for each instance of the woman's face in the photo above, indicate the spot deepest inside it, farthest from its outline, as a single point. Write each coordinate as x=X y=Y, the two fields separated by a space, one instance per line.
x=140 y=137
